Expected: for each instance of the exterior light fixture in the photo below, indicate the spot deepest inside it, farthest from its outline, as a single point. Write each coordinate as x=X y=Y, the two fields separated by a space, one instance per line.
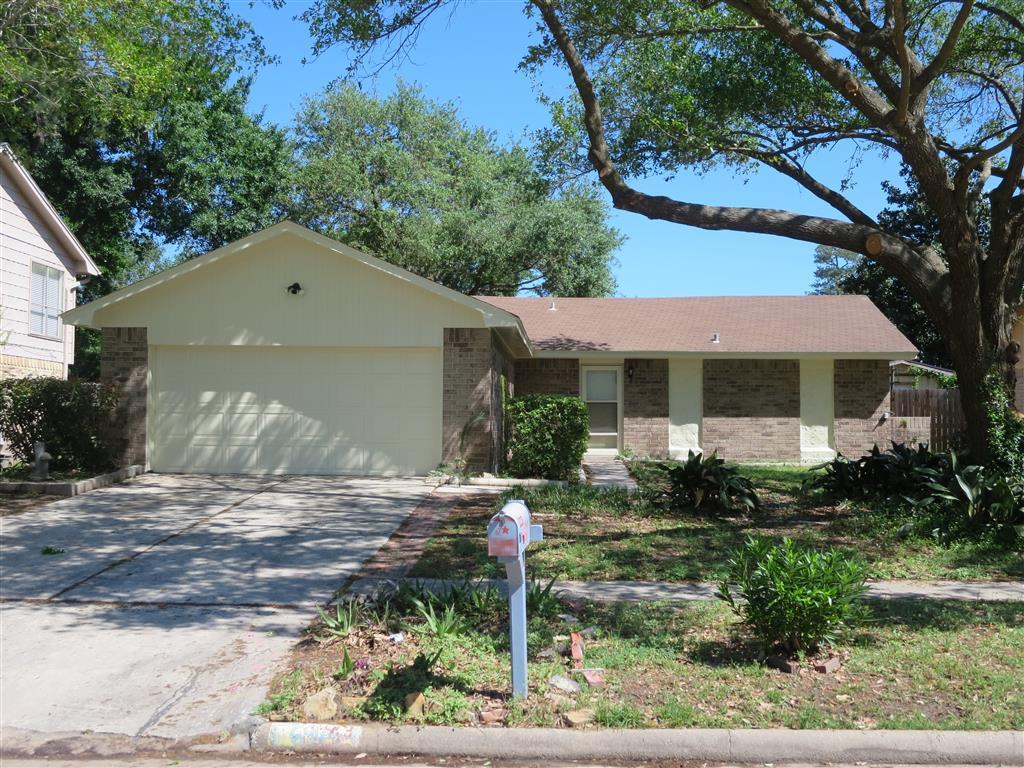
x=629 y=374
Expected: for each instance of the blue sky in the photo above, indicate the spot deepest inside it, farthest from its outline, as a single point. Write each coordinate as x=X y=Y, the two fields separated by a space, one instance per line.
x=471 y=58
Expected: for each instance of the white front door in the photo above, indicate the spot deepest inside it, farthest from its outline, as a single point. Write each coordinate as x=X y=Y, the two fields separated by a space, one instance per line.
x=602 y=392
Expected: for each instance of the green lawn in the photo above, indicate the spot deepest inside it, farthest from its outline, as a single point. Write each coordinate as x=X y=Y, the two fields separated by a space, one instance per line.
x=926 y=664
x=595 y=534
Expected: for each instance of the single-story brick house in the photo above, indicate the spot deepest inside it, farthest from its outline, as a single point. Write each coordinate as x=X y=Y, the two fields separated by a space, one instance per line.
x=290 y=352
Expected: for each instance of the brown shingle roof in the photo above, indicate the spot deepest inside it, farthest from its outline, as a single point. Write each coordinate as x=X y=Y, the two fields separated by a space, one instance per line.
x=745 y=324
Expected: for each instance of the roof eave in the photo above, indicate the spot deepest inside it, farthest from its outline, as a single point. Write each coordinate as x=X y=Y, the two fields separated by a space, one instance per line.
x=38 y=200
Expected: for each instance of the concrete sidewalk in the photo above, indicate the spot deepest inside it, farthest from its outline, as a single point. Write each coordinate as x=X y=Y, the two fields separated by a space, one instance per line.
x=615 y=591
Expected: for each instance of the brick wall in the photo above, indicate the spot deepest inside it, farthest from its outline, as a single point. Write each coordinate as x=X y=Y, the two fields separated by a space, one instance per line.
x=553 y=376
x=124 y=360
x=18 y=367
x=752 y=409
x=502 y=367
x=645 y=407
x=466 y=398
x=862 y=396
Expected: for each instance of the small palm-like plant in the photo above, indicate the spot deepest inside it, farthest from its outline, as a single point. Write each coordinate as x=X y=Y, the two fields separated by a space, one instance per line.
x=704 y=480
x=342 y=621
x=447 y=623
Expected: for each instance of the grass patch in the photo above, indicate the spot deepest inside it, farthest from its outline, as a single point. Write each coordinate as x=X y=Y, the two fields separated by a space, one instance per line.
x=914 y=664
x=591 y=533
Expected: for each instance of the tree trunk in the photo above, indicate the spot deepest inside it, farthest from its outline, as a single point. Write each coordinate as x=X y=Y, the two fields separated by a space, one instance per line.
x=974 y=355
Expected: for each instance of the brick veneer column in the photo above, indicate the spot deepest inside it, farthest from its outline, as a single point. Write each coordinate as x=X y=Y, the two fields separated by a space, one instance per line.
x=752 y=409
x=551 y=376
x=124 y=361
x=467 y=396
x=645 y=407
x=862 y=396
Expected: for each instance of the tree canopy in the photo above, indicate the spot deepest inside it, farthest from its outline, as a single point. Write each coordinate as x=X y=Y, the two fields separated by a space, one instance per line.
x=405 y=178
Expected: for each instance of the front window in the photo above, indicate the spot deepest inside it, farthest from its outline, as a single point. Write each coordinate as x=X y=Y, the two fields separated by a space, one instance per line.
x=44 y=314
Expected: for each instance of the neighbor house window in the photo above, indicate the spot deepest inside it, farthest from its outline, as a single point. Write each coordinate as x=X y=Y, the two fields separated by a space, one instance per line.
x=44 y=317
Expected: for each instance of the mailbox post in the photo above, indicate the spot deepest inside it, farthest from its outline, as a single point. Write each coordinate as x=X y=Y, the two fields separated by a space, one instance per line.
x=508 y=535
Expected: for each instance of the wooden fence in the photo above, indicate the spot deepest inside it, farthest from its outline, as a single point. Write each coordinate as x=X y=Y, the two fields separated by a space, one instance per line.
x=942 y=405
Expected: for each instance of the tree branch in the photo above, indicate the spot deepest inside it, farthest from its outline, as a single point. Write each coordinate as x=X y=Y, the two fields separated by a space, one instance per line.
x=921 y=269
x=1005 y=15
x=935 y=66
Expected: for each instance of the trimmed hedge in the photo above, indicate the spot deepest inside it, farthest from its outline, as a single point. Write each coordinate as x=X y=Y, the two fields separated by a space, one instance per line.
x=74 y=419
x=547 y=436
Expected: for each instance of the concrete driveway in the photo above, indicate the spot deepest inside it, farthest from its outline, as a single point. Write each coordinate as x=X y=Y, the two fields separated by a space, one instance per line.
x=176 y=597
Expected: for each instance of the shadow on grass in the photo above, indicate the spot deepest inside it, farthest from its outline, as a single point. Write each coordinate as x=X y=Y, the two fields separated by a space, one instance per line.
x=387 y=700
x=943 y=615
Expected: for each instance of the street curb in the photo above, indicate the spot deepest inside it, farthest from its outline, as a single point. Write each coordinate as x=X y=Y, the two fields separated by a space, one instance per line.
x=712 y=745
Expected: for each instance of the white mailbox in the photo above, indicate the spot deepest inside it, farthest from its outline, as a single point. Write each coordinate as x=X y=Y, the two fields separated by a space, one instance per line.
x=508 y=535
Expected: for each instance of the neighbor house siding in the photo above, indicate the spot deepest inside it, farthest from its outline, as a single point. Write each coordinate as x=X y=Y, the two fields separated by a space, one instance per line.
x=124 y=362
x=861 y=400
x=551 y=376
x=645 y=407
x=25 y=239
x=752 y=409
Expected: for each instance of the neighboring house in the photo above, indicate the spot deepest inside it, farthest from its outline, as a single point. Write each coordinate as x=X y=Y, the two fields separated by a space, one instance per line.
x=41 y=263
x=908 y=374
x=289 y=352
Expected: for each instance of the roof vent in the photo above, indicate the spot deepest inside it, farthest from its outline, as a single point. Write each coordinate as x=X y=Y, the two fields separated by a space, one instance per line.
x=552 y=308
x=715 y=338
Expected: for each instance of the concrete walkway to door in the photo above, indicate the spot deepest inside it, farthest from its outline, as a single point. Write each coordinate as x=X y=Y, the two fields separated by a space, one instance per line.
x=175 y=597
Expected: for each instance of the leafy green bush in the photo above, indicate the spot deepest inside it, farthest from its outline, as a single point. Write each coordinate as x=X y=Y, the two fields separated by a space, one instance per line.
x=75 y=420
x=1005 y=427
x=547 y=436
x=901 y=471
x=972 y=500
x=951 y=501
x=794 y=599
x=704 y=480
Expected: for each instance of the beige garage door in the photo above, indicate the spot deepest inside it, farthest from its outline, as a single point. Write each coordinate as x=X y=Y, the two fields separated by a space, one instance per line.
x=255 y=410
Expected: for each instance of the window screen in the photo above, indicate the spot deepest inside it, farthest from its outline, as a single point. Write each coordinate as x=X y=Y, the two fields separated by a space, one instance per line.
x=44 y=316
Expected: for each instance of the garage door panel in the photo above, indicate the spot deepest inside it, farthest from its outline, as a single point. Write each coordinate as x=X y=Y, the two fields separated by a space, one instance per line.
x=294 y=410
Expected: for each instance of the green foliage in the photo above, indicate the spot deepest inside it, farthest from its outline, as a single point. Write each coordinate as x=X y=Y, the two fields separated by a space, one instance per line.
x=406 y=179
x=944 y=380
x=343 y=621
x=447 y=623
x=969 y=501
x=345 y=667
x=832 y=267
x=74 y=419
x=1005 y=427
x=547 y=436
x=619 y=715
x=706 y=481
x=900 y=472
x=542 y=600
x=951 y=501
x=794 y=599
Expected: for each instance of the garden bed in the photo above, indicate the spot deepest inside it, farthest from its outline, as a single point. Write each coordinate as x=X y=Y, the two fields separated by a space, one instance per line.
x=915 y=664
x=67 y=485
x=607 y=534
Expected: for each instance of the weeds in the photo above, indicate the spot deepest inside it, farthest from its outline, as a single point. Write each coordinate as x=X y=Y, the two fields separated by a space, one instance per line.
x=344 y=620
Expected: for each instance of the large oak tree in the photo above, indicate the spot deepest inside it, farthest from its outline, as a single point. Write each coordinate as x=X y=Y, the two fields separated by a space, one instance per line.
x=934 y=84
